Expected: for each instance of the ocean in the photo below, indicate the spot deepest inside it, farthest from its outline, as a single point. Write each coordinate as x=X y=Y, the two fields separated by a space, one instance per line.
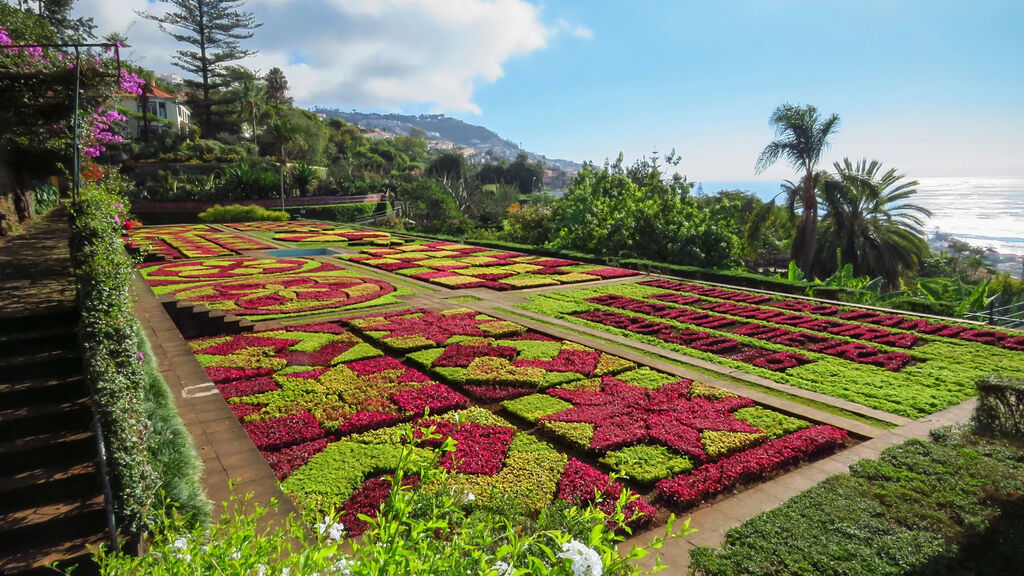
x=985 y=212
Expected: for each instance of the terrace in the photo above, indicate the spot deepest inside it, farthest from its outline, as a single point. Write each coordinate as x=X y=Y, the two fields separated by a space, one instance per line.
x=297 y=351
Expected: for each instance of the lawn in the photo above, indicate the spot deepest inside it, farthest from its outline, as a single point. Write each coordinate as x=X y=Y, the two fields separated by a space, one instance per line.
x=899 y=364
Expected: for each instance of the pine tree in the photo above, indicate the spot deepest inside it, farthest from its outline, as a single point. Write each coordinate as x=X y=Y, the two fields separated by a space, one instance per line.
x=277 y=87
x=214 y=28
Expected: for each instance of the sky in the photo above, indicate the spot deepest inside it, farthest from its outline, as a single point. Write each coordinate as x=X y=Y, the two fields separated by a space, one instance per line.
x=931 y=87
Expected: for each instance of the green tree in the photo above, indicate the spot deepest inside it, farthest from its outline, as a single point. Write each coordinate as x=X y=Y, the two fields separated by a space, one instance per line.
x=251 y=97
x=870 y=223
x=277 y=88
x=801 y=136
x=637 y=212
x=214 y=28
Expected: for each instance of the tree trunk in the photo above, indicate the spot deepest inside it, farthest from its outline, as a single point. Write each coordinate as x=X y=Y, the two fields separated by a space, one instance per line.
x=806 y=234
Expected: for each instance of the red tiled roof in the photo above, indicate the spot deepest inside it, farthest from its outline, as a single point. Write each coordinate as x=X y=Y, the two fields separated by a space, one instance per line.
x=158 y=93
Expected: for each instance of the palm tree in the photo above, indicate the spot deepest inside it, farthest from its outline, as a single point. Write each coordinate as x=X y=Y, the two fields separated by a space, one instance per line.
x=251 y=94
x=868 y=222
x=801 y=135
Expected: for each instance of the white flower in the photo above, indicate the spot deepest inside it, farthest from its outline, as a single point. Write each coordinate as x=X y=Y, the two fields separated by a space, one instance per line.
x=585 y=560
x=469 y=498
x=179 y=546
x=503 y=568
x=286 y=571
x=333 y=531
x=261 y=570
x=343 y=566
x=236 y=555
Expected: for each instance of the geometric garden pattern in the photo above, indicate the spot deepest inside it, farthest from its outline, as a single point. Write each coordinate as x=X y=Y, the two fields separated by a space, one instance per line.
x=326 y=403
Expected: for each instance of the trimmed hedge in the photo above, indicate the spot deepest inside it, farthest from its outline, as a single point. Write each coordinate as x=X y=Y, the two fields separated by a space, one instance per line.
x=241 y=213
x=731 y=277
x=148 y=449
x=335 y=213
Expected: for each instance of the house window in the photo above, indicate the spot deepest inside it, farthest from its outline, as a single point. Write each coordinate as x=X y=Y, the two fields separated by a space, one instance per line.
x=162 y=109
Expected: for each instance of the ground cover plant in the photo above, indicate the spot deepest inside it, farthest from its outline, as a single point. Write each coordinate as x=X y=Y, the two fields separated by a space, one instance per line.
x=307 y=384
x=947 y=506
x=460 y=266
x=645 y=425
x=311 y=231
x=492 y=460
x=267 y=288
x=902 y=365
x=188 y=241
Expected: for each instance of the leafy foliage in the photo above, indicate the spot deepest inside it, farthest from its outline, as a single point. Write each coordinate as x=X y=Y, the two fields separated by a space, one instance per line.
x=922 y=507
x=239 y=213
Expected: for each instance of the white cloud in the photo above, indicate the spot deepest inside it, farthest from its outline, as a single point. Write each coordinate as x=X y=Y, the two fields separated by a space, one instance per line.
x=577 y=30
x=381 y=54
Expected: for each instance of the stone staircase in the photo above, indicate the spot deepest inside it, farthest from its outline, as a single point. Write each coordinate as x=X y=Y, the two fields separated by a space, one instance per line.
x=52 y=507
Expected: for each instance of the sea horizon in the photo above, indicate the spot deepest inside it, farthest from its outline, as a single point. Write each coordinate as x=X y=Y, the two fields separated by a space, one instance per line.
x=982 y=211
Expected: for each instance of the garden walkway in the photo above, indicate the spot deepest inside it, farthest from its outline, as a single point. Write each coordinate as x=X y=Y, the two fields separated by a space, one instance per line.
x=51 y=499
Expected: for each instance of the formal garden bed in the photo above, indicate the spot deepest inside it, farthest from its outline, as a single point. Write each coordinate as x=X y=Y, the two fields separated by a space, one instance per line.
x=535 y=418
x=903 y=365
x=455 y=265
x=188 y=241
x=311 y=232
x=268 y=288
x=951 y=505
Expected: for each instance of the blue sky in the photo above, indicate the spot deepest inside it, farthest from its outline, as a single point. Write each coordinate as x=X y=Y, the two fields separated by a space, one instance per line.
x=933 y=87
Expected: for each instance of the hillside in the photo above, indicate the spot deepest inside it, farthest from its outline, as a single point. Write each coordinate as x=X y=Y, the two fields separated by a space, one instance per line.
x=441 y=127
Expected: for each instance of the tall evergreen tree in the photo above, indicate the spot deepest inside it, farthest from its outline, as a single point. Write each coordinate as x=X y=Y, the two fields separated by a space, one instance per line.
x=214 y=28
x=277 y=87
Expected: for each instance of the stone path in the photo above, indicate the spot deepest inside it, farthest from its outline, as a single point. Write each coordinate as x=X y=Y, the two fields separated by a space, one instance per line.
x=52 y=504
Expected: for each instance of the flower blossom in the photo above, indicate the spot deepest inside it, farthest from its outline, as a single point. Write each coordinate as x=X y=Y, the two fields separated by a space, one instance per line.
x=585 y=560
x=333 y=530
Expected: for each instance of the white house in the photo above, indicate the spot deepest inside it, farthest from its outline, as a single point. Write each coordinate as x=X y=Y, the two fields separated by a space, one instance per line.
x=161 y=104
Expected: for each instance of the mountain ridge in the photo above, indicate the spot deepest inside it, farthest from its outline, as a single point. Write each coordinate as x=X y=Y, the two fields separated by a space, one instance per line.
x=439 y=127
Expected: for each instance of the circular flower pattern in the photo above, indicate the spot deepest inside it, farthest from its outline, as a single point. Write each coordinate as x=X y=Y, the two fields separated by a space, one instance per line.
x=286 y=295
x=228 y=269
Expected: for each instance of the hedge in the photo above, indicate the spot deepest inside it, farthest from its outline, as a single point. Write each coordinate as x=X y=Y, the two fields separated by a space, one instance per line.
x=148 y=448
x=335 y=213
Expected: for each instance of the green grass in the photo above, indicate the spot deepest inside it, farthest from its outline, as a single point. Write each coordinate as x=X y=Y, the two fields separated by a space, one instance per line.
x=817 y=405
x=177 y=464
x=464 y=299
x=942 y=507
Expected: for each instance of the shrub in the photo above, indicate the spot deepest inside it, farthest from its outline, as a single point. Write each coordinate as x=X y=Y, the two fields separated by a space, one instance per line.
x=147 y=447
x=45 y=198
x=1000 y=410
x=240 y=213
x=334 y=213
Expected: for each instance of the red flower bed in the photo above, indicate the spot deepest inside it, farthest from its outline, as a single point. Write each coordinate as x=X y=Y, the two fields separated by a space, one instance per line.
x=246 y=387
x=860 y=316
x=366 y=500
x=282 y=432
x=624 y=415
x=480 y=449
x=433 y=397
x=289 y=459
x=695 y=339
x=723 y=346
x=580 y=483
x=461 y=355
x=753 y=464
x=408 y=330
